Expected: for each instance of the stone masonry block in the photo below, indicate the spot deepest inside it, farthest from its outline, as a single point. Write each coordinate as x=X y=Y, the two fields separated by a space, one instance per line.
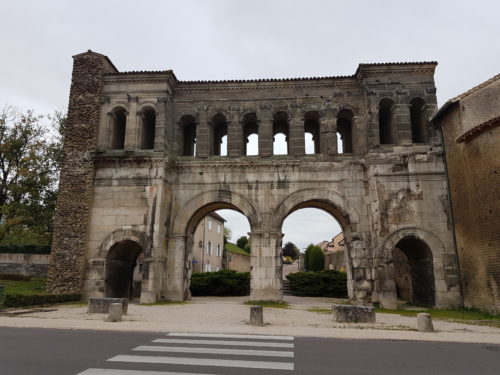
x=353 y=314
x=101 y=305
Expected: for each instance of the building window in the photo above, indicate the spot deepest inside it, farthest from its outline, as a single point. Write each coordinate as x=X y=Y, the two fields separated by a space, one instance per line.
x=218 y=228
x=209 y=248
x=209 y=224
x=200 y=244
x=208 y=267
x=218 y=250
x=217 y=268
x=148 y=124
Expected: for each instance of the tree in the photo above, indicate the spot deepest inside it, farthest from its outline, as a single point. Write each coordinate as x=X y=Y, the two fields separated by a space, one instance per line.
x=243 y=243
x=290 y=250
x=316 y=261
x=227 y=234
x=30 y=157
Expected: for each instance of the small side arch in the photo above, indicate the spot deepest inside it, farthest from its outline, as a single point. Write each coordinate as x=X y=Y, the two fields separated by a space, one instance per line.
x=436 y=246
x=119 y=235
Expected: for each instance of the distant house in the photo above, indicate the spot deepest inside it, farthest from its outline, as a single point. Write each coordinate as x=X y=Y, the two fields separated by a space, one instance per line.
x=334 y=252
x=235 y=258
x=208 y=244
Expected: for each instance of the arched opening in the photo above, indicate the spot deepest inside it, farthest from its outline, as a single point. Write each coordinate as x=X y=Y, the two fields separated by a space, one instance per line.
x=312 y=133
x=387 y=126
x=219 y=135
x=117 y=129
x=124 y=270
x=188 y=139
x=280 y=133
x=148 y=125
x=414 y=272
x=310 y=224
x=344 y=131
x=418 y=122
x=251 y=134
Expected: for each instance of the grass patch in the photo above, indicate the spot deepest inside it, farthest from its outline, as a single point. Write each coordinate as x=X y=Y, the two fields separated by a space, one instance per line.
x=232 y=248
x=469 y=316
x=320 y=310
x=24 y=287
x=161 y=303
x=269 y=304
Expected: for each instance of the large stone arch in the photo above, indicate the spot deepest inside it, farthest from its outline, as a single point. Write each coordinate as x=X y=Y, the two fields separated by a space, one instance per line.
x=180 y=241
x=193 y=211
x=360 y=283
x=328 y=200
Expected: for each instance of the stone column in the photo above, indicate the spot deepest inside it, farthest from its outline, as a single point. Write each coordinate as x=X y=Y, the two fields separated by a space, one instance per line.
x=160 y=126
x=432 y=133
x=203 y=136
x=132 y=127
x=151 y=271
x=328 y=131
x=296 y=137
x=266 y=133
x=402 y=124
x=266 y=266
x=176 y=268
x=235 y=145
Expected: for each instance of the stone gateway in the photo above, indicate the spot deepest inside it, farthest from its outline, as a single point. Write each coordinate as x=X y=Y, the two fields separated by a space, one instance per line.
x=144 y=164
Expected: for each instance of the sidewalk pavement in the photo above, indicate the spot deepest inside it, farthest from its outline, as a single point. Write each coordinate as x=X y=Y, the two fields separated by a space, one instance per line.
x=230 y=315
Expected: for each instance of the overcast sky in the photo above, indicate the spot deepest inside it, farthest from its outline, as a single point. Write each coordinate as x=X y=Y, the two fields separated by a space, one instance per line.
x=231 y=39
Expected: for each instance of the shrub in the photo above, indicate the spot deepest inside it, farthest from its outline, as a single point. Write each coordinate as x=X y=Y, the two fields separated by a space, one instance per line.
x=220 y=283
x=14 y=277
x=18 y=300
x=316 y=260
x=326 y=283
x=25 y=249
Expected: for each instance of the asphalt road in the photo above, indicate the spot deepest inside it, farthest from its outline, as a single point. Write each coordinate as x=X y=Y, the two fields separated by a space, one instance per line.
x=30 y=351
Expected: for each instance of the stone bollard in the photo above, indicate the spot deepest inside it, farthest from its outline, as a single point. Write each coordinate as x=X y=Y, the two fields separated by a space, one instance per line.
x=424 y=323
x=115 y=312
x=256 y=316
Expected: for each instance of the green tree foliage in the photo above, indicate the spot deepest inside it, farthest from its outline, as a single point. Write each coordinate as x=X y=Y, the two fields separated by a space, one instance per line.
x=30 y=157
x=306 y=256
x=227 y=234
x=290 y=250
x=243 y=243
x=316 y=259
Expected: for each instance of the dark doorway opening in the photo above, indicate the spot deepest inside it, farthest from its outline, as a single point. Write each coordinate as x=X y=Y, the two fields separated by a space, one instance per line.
x=414 y=272
x=123 y=258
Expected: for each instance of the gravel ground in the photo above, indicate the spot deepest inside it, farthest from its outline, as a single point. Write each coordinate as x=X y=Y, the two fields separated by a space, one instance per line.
x=230 y=315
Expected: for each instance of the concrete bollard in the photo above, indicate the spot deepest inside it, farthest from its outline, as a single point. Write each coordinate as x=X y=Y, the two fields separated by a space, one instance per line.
x=256 y=316
x=424 y=323
x=115 y=312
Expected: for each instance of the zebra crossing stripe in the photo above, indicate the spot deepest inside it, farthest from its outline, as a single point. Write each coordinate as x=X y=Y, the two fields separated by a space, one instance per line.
x=203 y=362
x=225 y=342
x=185 y=349
x=105 y=371
x=223 y=335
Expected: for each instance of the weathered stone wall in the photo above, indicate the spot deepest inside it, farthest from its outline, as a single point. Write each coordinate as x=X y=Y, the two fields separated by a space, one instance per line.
x=76 y=181
x=335 y=260
x=474 y=177
x=155 y=198
x=34 y=265
x=237 y=262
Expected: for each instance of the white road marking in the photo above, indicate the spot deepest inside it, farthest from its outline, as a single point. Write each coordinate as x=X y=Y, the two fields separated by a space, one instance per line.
x=105 y=371
x=223 y=335
x=203 y=362
x=223 y=342
x=186 y=349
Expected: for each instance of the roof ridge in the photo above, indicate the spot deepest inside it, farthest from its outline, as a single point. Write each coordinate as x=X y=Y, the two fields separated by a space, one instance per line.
x=474 y=89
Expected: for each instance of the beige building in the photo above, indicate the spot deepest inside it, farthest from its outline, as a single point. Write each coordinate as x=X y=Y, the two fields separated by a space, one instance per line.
x=208 y=244
x=470 y=124
x=334 y=253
